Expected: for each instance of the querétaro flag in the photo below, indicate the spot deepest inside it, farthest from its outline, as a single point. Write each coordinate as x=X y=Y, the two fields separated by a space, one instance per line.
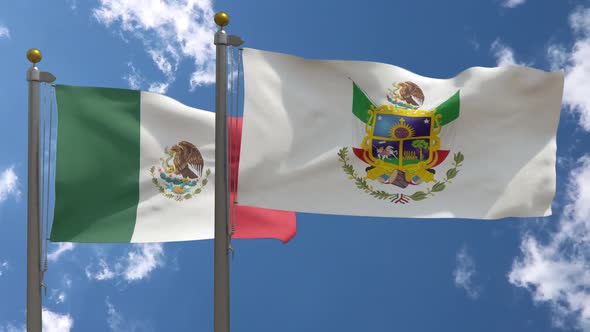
x=134 y=166
x=371 y=139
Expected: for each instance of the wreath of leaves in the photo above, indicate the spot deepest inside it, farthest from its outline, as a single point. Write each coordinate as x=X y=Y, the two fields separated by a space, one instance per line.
x=361 y=182
x=178 y=197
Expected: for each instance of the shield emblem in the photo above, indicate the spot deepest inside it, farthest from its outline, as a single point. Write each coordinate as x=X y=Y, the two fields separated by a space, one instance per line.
x=402 y=138
x=402 y=144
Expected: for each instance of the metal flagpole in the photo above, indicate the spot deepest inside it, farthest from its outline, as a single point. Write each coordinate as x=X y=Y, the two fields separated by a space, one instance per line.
x=34 y=77
x=221 y=259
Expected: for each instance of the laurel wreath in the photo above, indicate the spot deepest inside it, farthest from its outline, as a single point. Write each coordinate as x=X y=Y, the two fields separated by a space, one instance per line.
x=162 y=190
x=361 y=182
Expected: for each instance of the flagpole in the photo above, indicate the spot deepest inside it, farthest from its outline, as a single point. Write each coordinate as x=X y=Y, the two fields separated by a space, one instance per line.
x=33 y=216
x=34 y=77
x=221 y=259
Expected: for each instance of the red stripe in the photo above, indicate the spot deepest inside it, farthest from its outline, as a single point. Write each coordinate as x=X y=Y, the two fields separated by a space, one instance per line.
x=442 y=155
x=360 y=153
x=252 y=222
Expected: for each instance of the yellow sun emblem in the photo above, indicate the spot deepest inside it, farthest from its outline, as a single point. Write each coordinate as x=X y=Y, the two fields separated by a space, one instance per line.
x=401 y=130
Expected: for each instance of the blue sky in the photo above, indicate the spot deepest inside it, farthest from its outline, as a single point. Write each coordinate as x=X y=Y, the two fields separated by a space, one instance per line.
x=338 y=273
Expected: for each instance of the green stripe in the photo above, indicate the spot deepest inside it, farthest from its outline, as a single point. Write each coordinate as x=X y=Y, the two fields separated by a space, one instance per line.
x=361 y=104
x=97 y=164
x=449 y=109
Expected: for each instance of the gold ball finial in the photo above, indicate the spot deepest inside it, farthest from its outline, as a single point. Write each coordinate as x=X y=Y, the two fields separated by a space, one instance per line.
x=34 y=55
x=222 y=19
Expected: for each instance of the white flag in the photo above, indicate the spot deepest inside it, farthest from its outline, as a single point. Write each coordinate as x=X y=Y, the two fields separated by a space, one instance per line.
x=371 y=139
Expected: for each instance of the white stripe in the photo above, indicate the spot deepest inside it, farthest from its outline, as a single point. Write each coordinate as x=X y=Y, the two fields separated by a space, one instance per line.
x=164 y=123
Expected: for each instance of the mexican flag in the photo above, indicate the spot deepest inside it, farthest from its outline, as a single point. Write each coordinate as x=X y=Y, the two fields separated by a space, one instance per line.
x=372 y=139
x=134 y=166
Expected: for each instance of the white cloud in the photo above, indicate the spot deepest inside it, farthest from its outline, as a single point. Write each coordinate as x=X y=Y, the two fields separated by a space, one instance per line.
x=67 y=281
x=62 y=248
x=135 y=81
x=170 y=31
x=104 y=272
x=114 y=318
x=3 y=267
x=73 y=4
x=159 y=87
x=136 y=265
x=142 y=260
x=557 y=56
x=513 y=3
x=556 y=271
x=474 y=43
x=580 y=21
x=12 y=328
x=54 y=322
x=504 y=54
x=118 y=323
x=134 y=78
x=8 y=184
x=50 y=322
x=576 y=64
x=464 y=273
x=164 y=65
x=4 y=32
x=59 y=295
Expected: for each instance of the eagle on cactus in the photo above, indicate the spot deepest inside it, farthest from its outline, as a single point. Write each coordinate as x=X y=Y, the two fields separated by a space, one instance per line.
x=187 y=160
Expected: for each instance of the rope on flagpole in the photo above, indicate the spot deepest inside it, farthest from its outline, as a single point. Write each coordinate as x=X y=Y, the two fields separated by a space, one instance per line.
x=43 y=202
x=235 y=137
x=236 y=119
x=231 y=140
x=47 y=142
x=42 y=139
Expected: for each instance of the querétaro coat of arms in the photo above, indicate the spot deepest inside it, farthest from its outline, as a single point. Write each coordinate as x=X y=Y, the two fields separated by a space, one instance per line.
x=402 y=145
x=183 y=178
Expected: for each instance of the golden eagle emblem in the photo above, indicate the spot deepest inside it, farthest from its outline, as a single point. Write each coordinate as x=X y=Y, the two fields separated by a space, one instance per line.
x=183 y=178
x=185 y=155
x=407 y=92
